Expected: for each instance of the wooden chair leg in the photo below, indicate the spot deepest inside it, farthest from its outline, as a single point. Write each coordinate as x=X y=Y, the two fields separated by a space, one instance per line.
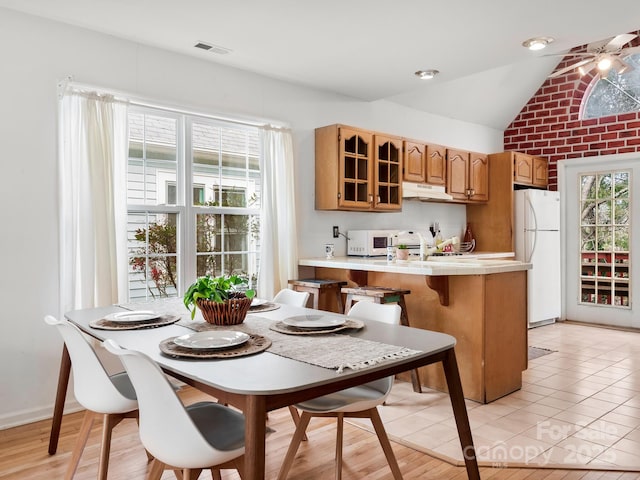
x=107 y=427
x=339 y=300
x=339 y=439
x=384 y=443
x=348 y=302
x=156 y=470
x=81 y=442
x=296 y=419
x=238 y=463
x=194 y=473
x=293 y=446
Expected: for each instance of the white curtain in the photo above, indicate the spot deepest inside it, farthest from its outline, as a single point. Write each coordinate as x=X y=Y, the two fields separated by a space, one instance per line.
x=279 y=248
x=92 y=183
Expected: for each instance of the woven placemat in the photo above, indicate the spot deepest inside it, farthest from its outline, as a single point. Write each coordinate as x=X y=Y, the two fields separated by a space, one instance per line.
x=255 y=344
x=265 y=307
x=104 y=324
x=289 y=330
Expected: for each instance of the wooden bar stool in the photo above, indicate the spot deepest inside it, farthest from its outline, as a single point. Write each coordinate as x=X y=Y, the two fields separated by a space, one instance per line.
x=318 y=287
x=383 y=295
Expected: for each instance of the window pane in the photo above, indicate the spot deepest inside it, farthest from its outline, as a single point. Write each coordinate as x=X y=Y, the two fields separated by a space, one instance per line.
x=209 y=265
x=208 y=232
x=152 y=159
x=604 y=213
x=226 y=162
x=588 y=213
x=152 y=255
x=588 y=239
x=588 y=187
x=604 y=186
x=622 y=239
x=621 y=212
x=622 y=185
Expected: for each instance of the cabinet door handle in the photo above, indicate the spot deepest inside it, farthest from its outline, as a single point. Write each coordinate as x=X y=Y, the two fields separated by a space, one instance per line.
x=371 y=198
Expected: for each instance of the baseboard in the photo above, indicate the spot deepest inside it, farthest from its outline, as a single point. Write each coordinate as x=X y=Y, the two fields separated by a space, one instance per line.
x=603 y=325
x=23 y=417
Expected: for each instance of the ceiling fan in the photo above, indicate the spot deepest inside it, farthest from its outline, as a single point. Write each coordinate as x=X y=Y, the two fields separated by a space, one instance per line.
x=603 y=55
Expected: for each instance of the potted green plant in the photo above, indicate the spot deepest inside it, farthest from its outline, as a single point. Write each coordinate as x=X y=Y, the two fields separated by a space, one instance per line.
x=402 y=252
x=223 y=300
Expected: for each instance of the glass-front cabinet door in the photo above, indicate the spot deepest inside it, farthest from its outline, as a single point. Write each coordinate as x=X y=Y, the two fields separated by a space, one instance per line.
x=388 y=173
x=356 y=169
x=605 y=239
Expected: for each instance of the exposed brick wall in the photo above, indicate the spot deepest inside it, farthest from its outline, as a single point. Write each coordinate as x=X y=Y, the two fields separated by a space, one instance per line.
x=549 y=125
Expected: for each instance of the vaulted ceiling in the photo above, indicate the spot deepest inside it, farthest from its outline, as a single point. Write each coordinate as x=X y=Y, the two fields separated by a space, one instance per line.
x=369 y=49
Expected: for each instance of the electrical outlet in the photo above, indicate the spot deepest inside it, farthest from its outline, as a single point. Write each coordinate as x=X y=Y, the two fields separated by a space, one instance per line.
x=336 y=231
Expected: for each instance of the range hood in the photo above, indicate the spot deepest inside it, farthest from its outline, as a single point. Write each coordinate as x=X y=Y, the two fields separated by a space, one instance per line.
x=422 y=191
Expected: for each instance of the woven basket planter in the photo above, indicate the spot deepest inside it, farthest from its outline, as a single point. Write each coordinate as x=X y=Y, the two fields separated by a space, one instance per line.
x=230 y=312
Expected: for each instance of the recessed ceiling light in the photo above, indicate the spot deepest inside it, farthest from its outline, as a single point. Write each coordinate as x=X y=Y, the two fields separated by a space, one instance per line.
x=426 y=74
x=537 y=43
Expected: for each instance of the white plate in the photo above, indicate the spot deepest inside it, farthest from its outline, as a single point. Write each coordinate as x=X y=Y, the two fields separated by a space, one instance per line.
x=314 y=321
x=211 y=340
x=135 y=316
x=258 y=301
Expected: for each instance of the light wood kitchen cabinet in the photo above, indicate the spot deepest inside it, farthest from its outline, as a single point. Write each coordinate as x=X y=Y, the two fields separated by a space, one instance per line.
x=387 y=164
x=493 y=222
x=467 y=176
x=424 y=163
x=540 y=172
x=357 y=170
x=414 y=162
x=529 y=170
x=436 y=165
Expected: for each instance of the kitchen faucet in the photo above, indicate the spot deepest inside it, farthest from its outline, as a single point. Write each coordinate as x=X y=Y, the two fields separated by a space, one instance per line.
x=424 y=251
x=421 y=239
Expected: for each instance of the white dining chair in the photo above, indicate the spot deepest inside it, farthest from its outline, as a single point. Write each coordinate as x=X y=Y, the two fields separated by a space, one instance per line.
x=356 y=402
x=286 y=296
x=111 y=396
x=205 y=435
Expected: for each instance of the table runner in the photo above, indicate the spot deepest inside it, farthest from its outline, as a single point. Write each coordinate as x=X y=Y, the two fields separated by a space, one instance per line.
x=334 y=351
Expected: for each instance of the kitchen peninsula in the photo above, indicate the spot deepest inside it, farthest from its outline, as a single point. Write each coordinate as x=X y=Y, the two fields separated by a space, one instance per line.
x=479 y=301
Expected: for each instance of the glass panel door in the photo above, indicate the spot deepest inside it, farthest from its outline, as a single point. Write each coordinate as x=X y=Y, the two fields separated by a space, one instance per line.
x=604 y=238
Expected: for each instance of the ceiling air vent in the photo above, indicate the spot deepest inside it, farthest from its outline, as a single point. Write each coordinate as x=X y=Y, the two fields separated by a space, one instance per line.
x=209 y=47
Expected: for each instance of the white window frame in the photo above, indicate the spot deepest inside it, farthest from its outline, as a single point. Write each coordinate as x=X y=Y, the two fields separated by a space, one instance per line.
x=186 y=264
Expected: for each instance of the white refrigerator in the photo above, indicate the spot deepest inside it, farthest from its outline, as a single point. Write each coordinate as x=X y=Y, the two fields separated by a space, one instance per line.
x=537 y=241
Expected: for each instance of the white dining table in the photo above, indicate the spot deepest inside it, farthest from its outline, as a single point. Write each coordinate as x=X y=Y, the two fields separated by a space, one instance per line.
x=259 y=383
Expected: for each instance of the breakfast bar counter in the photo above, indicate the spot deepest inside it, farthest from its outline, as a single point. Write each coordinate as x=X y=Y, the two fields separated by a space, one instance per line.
x=480 y=300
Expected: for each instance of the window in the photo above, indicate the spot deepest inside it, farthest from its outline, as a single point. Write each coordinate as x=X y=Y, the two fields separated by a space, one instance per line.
x=615 y=93
x=604 y=236
x=174 y=237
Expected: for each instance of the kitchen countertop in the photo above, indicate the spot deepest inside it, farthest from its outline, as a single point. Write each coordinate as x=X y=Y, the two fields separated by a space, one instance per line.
x=474 y=264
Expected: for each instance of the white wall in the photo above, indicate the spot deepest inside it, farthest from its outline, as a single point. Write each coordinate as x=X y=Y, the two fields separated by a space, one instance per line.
x=36 y=54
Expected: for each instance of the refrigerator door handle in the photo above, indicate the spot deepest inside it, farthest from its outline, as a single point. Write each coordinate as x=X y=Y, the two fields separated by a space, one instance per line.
x=534 y=229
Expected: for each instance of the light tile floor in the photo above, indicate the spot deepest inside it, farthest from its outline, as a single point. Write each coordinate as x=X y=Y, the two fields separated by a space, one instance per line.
x=579 y=405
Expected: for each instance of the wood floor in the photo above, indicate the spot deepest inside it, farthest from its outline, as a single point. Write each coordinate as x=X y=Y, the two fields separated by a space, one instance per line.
x=23 y=455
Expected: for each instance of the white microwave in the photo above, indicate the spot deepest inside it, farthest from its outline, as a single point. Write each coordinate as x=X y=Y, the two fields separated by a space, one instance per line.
x=369 y=243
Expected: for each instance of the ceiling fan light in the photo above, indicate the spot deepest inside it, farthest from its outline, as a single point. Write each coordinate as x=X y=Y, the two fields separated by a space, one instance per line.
x=604 y=64
x=426 y=74
x=537 y=43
